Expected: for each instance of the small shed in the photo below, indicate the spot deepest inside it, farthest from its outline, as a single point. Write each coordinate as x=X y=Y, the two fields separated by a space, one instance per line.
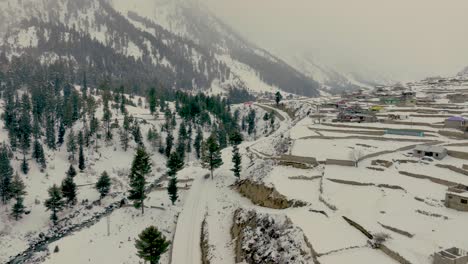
x=456 y=198
x=456 y=122
x=451 y=256
x=436 y=152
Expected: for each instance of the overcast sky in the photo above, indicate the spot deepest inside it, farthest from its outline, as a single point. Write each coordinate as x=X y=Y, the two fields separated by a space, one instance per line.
x=407 y=39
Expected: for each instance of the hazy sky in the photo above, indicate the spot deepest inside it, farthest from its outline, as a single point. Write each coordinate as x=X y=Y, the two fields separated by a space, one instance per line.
x=408 y=39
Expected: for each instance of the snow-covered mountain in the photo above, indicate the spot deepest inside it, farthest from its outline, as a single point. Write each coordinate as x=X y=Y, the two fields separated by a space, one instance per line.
x=177 y=43
x=334 y=79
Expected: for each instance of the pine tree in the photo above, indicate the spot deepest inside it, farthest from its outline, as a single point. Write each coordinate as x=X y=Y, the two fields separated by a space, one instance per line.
x=81 y=158
x=24 y=166
x=71 y=171
x=151 y=244
x=18 y=208
x=124 y=133
x=61 y=134
x=153 y=138
x=189 y=139
x=107 y=117
x=278 y=98
x=173 y=190
x=24 y=128
x=251 y=122
x=50 y=133
x=38 y=154
x=152 y=101
x=211 y=154
x=174 y=164
x=136 y=132
x=71 y=145
x=236 y=160
x=6 y=175
x=69 y=190
x=141 y=167
x=198 y=142
x=236 y=139
x=103 y=184
x=169 y=143
x=54 y=203
x=18 y=192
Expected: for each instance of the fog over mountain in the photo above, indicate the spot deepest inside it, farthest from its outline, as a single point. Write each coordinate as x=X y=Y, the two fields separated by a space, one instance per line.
x=401 y=40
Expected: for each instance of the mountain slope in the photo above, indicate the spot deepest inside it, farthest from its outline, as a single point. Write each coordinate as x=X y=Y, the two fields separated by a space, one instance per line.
x=178 y=44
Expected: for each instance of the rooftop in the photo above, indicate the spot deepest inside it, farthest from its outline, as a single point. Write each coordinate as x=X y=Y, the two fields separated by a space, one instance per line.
x=429 y=148
x=456 y=118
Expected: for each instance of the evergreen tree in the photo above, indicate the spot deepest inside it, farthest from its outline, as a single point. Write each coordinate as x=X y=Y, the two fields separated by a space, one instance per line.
x=6 y=175
x=18 y=192
x=24 y=166
x=152 y=101
x=107 y=117
x=153 y=138
x=81 y=158
x=236 y=138
x=18 y=208
x=251 y=122
x=198 y=142
x=71 y=171
x=211 y=154
x=278 y=98
x=236 y=160
x=141 y=167
x=189 y=139
x=69 y=190
x=173 y=190
x=103 y=184
x=50 y=133
x=124 y=133
x=151 y=244
x=136 y=131
x=24 y=128
x=174 y=164
x=169 y=143
x=54 y=203
x=61 y=134
x=38 y=154
x=71 y=145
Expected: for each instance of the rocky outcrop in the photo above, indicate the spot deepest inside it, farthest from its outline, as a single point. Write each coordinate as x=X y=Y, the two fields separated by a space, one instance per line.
x=265 y=196
x=267 y=238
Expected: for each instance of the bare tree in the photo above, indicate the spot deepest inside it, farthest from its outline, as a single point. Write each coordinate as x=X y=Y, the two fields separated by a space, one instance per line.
x=355 y=155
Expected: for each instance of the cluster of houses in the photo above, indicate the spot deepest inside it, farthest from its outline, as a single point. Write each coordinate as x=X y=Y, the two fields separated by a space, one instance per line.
x=355 y=113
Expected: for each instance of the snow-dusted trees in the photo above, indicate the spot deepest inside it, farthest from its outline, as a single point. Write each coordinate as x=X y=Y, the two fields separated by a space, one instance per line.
x=54 y=203
x=151 y=244
x=211 y=154
x=71 y=145
x=141 y=167
x=18 y=193
x=174 y=164
x=236 y=138
x=6 y=175
x=103 y=184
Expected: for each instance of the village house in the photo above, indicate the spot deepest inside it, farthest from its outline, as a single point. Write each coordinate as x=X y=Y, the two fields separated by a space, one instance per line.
x=456 y=197
x=430 y=151
x=458 y=98
x=451 y=256
x=456 y=122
